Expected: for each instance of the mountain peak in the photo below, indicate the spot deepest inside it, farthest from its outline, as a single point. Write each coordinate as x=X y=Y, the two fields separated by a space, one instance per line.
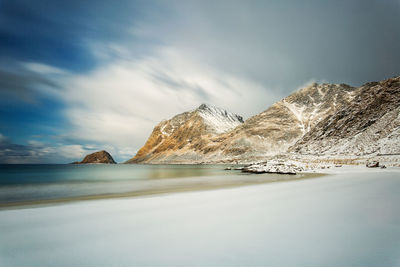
x=203 y=106
x=206 y=108
x=219 y=119
x=186 y=133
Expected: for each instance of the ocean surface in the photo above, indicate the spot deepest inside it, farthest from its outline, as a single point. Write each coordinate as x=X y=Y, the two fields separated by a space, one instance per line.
x=30 y=183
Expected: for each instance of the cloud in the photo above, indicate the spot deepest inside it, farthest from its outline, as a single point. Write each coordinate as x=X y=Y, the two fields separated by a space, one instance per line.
x=38 y=152
x=242 y=60
x=26 y=84
x=121 y=102
x=16 y=153
x=42 y=68
x=120 y=69
x=284 y=44
x=73 y=151
x=2 y=138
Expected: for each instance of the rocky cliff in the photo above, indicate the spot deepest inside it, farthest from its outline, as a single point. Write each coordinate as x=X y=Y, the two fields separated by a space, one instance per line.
x=369 y=124
x=98 y=157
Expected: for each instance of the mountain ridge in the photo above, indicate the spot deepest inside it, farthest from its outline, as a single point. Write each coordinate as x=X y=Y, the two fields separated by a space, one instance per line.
x=292 y=125
x=362 y=126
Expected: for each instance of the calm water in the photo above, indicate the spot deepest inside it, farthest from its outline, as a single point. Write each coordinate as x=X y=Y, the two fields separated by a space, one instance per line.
x=37 y=182
x=69 y=173
x=24 y=183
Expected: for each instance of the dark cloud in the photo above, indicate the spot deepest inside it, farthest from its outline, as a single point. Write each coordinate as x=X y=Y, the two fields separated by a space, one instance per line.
x=57 y=32
x=281 y=44
x=37 y=152
x=284 y=44
x=15 y=153
x=16 y=86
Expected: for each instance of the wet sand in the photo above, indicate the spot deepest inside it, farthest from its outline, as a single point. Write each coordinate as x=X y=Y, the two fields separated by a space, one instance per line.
x=173 y=186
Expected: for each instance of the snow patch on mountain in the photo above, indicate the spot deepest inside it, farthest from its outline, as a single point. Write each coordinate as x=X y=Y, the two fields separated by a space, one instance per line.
x=297 y=112
x=219 y=119
x=368 y=125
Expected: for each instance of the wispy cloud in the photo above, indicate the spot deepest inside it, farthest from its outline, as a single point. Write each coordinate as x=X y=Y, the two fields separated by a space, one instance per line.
x=39 y=152
x=18 y=85
x=121 y=102
x=42 y=68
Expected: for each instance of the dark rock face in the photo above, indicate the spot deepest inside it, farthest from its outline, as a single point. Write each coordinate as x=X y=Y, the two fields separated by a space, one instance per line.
x=98 y=157
x=372 y=164
x=368 y=124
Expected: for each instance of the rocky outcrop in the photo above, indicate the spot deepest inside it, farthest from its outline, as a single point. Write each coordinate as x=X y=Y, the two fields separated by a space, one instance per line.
x=278 y=167
x=97 y=157
x=369 y=124
x=372 y=164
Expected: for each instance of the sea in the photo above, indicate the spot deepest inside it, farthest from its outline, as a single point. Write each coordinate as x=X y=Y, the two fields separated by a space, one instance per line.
x=63 y=182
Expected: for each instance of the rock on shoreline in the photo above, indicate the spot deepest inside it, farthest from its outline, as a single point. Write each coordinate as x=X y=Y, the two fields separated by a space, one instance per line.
x=278 y=167
x=372 y=164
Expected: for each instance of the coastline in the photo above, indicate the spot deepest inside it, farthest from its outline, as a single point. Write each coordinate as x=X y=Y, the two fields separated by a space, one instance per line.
x=191 y=184
x=204 y=183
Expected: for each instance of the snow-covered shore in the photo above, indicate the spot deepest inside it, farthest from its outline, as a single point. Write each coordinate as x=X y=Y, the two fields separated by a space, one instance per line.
x=290 y=166
x=351 y=218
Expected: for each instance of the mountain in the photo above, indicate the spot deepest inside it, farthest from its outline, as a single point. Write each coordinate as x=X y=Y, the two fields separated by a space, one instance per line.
x=320 y=119
x=276 y=129
x=184 y=137
x=370 y=124
x=268 y=133
x=98 y=157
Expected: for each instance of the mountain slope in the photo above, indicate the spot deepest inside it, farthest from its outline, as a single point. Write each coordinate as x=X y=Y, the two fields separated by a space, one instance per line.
x=368 y=124
x=284 y=123
x=184 y=137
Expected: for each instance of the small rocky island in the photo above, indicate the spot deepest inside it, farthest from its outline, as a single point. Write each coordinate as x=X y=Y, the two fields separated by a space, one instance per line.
x=97 y=157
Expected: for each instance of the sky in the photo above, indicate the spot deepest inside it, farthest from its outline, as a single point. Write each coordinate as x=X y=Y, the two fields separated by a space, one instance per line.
x=81 y=76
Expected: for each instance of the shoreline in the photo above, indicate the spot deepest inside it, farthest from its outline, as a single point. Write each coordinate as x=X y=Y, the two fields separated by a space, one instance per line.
x=257 y=179
x=203 y=183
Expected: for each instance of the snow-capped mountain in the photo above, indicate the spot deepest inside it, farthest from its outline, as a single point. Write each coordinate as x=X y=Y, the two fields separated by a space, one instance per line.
x=284 y=123
x=320 y=119
x=184 y=137
x=217 y=119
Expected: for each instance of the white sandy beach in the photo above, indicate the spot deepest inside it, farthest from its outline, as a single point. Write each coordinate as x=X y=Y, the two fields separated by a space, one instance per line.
x=351 y=218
